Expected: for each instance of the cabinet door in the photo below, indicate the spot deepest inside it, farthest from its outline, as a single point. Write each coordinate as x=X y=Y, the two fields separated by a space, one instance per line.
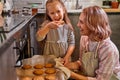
x=7 y=62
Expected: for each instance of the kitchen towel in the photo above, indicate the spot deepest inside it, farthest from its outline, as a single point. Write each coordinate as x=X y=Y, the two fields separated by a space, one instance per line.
x=60 y=66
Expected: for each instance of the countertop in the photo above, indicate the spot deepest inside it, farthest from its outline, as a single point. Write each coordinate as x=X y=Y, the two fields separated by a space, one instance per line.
x=8 y=56
x=10 y=27
x=112 y=10
x=80 y=10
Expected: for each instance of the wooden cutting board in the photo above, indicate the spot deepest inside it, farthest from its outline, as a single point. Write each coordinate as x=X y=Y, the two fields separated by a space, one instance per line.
x=112 y=10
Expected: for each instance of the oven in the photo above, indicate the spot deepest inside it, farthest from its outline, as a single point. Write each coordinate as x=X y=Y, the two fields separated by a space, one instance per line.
x=22 y=46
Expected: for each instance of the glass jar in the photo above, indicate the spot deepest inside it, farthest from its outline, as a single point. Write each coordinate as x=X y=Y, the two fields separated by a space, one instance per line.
x=34 y=9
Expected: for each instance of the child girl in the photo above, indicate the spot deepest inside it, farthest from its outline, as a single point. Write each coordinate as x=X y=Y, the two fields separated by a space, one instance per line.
x=57 y=30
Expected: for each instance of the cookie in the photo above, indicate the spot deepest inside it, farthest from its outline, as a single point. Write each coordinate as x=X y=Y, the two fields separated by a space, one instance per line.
x=49 y=65
x=38 y=78
x=50 y=77
x=38 y=66
x=62 y=22
x=25 y=78
x=38 y=72
x=26 y=66
x=50 y=70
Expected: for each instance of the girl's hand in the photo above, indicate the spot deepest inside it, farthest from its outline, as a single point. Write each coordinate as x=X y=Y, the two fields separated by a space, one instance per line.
x=54 y=24
x=65 y=61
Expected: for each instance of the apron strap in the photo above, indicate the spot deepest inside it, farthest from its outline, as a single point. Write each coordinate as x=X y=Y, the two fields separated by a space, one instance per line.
x=96 y=51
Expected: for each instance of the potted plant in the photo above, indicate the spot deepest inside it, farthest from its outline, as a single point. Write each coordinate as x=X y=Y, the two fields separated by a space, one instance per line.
x=118 y=1
x=118 y=4
x=115 y=3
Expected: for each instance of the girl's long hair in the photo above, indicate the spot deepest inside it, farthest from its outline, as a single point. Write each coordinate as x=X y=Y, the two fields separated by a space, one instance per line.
x=97 y=22
x=66 y=18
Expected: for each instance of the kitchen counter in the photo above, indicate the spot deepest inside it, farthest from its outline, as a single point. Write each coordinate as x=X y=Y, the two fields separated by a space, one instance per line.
x=12 y=24
x=80 y=10
x=14 y=30
x=112 y=10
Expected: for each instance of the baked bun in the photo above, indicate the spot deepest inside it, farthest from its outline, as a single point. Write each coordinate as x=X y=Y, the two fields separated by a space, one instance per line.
x=50 y=77
x=62 y=22
x=38 y=78
x=38 y=72
x=50 y=71
x=49 y=65
x=25 y=78
x=38 y=66
x=26 y=66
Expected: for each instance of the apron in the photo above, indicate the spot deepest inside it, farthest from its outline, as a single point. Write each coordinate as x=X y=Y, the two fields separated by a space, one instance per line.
x=90 y=63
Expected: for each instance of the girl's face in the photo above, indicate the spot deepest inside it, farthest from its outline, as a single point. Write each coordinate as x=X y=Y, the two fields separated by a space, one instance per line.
x=83 y=27
x=55 y=11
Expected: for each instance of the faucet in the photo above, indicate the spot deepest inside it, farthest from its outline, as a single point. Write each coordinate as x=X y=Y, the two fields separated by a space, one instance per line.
x=77 y=5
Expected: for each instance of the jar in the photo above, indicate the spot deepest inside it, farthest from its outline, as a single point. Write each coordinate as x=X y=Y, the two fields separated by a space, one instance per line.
x=34 y=9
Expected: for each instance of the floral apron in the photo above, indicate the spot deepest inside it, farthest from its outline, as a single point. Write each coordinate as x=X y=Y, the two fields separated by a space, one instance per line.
x=90 y=63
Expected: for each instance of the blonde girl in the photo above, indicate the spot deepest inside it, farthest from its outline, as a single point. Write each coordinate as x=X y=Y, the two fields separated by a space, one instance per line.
x=57 y=30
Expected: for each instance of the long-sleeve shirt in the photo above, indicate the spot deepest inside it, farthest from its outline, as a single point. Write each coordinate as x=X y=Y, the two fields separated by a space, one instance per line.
x=108 y=57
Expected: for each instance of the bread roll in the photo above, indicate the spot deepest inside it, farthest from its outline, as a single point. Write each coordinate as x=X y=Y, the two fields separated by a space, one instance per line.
x=38 y=66
x=50 y=71
x=49 y=65
x=38 y=72
x=50 y=77
x=38 y=78
x=26 y=66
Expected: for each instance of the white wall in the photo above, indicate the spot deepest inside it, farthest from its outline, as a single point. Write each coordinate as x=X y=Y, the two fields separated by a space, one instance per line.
x=71 y=5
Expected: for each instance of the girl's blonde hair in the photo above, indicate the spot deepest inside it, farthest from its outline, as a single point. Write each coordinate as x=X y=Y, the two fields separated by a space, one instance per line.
x=66 y=18
x=97 y=22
